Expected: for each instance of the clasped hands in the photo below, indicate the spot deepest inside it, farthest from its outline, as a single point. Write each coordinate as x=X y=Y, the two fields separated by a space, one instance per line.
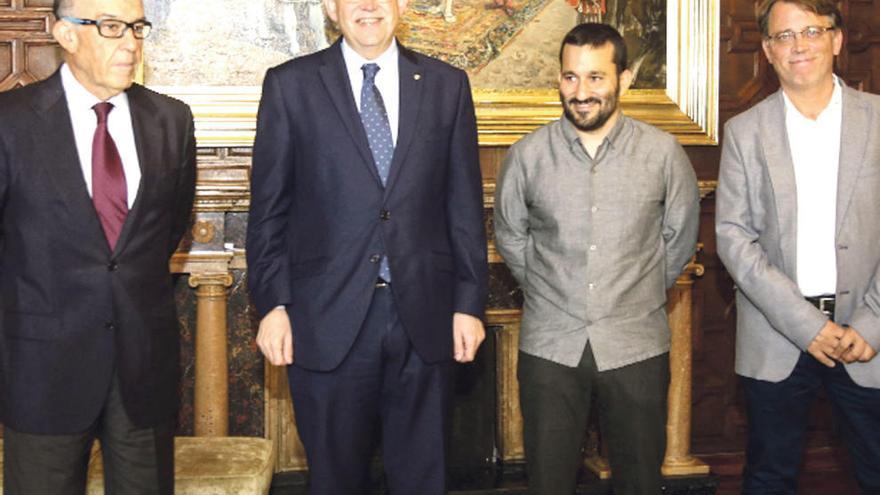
x=837 y=343
x=275 y=337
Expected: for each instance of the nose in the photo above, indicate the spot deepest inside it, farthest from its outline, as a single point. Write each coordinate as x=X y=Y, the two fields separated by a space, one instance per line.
x=584 y=90
x=800 y=43
x=129 y=42
x=369 y=4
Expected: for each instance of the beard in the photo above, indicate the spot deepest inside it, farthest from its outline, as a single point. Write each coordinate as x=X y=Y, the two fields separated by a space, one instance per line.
x=582 y=120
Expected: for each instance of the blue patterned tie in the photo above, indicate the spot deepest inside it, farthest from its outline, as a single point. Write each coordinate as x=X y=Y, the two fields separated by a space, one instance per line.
x=375 y=121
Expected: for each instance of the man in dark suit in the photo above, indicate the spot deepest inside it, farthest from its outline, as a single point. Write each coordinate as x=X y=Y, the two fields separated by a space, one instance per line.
x=366 y=247
x=96 y=187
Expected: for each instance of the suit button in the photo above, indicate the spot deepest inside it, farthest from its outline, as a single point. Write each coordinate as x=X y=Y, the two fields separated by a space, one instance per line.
x=375 y=258
x=112 y=266
x=384 y=215
x=110 y=326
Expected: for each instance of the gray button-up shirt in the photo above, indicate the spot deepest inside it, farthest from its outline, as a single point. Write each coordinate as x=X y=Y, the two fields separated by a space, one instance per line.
x=595 y=243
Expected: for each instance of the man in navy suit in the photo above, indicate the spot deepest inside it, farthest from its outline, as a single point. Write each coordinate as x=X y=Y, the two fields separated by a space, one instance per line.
x=96 y=184
x=366 y=247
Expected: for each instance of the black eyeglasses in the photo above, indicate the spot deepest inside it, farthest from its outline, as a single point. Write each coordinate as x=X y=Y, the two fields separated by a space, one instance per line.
x=114 y=28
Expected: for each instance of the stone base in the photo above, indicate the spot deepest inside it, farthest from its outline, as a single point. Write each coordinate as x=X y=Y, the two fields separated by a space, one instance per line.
x=205 y=466
x=211 y=465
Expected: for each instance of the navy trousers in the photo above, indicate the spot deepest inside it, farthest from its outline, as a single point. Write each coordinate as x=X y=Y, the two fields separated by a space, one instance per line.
x=778 y=414
x=384 y=390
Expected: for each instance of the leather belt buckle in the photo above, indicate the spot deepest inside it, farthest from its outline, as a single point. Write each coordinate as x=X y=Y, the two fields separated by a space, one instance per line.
x=825 y=304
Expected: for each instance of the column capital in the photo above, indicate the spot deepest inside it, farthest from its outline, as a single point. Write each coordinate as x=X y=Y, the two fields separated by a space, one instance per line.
x=223 y=280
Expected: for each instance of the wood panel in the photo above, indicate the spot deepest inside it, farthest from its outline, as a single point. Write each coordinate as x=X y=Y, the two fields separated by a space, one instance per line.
x=27 y=51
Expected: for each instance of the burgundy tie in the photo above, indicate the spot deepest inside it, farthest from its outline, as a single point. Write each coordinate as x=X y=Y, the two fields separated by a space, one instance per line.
x=109 y=192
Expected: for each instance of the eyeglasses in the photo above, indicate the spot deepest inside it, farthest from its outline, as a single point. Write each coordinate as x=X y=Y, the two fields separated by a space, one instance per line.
x=114 y=28
x=810 y=33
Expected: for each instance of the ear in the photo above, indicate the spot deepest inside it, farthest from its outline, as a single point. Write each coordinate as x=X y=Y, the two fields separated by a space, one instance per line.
x=401 y=6
x=330 y=10
x=837 y=40
x=625 y=80
x=66 y=36
x=765 y=45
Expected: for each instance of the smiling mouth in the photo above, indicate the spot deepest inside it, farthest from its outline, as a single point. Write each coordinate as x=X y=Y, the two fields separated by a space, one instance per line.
x=584 y=106
x=372 y=21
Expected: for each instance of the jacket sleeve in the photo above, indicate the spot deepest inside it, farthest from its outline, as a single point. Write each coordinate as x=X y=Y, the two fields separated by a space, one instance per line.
x=741 y=248
x=184 y=193
x=464 y=205
x=271 y=197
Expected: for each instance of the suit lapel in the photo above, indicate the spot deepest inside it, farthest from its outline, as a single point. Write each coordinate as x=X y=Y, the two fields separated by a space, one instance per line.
x=335 y=78
x=147 y=139
x=856 y=117
x=411 y=85
x=780 y=167
x=65 y=171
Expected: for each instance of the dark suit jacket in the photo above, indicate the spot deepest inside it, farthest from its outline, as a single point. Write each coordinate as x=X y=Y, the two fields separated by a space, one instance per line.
x=75 y=314
x=319 y=214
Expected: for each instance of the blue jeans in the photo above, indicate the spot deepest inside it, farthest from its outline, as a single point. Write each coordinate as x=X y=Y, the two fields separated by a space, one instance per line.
x=778 y=415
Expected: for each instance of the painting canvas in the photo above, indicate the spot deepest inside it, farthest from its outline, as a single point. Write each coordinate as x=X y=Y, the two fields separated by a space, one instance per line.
x=213 y=55
x=502 y=44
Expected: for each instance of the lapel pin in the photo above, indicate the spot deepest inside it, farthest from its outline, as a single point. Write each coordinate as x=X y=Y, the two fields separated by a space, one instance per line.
x=417 y=76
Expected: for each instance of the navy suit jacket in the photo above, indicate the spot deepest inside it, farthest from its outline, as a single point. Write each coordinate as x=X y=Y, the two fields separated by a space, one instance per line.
x=320 y=217
x=74 y=313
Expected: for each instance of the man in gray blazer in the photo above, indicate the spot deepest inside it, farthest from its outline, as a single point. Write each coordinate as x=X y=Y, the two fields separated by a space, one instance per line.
x=798 y=225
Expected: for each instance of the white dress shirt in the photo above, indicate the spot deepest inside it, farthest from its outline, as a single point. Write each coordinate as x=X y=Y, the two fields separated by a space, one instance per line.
x=387 y=80
x=79 y=103
x=815 y=152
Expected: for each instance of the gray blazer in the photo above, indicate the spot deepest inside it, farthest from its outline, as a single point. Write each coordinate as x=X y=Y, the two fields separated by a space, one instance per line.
x=756 y=222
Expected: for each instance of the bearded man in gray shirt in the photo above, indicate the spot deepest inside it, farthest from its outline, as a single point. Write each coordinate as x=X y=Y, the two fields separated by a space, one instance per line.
x=596 y=215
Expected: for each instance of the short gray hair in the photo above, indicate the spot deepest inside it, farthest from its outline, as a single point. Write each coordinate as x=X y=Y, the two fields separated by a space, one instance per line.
x=62 y=8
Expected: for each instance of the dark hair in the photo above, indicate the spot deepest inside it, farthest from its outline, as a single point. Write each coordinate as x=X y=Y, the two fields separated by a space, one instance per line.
x=61 y=7
x=827 y=8
x=595 y=35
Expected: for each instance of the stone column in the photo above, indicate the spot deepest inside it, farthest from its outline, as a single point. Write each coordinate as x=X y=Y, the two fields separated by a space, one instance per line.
x=678 y=460
x=212 y=376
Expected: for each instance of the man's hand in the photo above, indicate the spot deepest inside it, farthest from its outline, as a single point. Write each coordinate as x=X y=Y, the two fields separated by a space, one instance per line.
x=855 y=348
x=275 y=338
x=826 y=346
x=467 y=334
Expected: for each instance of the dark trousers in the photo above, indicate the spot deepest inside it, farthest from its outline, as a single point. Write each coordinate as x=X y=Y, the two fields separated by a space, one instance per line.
x=555 y=401
x=382 y=384
x=778 y=414
x=136 y=460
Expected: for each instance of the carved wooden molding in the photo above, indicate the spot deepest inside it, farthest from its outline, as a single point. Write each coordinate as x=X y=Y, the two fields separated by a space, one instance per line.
x=27 y=51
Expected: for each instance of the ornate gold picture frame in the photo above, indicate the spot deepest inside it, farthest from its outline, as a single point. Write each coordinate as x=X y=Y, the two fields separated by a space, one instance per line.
x=687 y=108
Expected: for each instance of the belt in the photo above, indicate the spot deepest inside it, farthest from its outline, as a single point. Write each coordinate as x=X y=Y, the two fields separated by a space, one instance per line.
x=824 y=303
x=382 y=284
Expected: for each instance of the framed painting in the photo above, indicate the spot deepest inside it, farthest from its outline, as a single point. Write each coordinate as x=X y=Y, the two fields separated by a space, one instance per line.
x=508 y=47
